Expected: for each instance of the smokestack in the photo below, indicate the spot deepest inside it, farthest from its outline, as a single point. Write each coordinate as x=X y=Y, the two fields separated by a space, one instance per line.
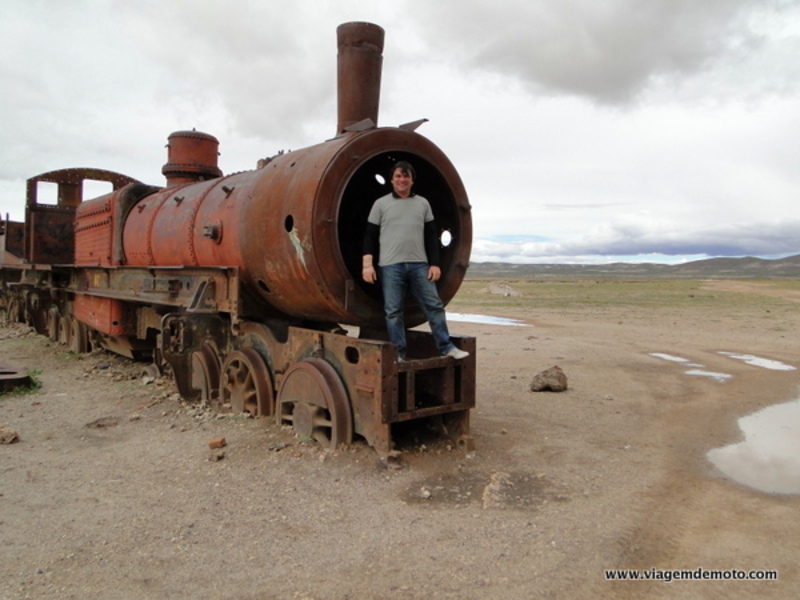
x=359 y=73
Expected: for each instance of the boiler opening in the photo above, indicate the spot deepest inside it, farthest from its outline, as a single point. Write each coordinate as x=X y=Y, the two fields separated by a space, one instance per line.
x=371 y=181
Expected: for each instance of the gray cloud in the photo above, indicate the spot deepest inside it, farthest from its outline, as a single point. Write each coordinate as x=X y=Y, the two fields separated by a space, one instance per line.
x=609 y=51
x=255 y=61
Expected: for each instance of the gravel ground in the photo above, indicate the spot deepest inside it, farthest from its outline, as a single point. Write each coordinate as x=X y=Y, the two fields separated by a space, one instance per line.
x=112 y=489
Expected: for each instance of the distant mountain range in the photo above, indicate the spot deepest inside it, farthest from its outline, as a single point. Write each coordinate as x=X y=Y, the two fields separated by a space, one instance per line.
x=723 y=268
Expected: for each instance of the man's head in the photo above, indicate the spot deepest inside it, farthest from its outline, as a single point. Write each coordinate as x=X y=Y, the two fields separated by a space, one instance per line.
x=407 y=168
x=403 y=177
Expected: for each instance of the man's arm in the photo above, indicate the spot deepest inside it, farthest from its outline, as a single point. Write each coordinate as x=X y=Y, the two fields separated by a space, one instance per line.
x=432 y=251
x=432 y=243
x=368 y=272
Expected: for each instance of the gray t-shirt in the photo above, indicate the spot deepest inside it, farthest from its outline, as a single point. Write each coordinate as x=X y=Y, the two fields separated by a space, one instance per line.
x=402 y=228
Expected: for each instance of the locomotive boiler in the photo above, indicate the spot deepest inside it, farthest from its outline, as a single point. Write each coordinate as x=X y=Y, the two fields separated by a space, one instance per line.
x=246 y=287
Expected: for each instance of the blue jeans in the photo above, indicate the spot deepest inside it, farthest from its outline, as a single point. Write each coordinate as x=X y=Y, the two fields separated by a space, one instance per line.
x=396 y=280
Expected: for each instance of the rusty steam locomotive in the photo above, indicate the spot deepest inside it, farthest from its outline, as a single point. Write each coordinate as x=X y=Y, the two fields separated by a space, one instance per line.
x=246 y=287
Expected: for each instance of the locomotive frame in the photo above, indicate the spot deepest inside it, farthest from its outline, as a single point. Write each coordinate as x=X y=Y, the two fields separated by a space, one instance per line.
x=246 y=288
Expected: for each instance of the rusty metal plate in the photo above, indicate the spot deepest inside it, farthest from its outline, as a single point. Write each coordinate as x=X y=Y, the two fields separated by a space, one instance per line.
x=11 y=378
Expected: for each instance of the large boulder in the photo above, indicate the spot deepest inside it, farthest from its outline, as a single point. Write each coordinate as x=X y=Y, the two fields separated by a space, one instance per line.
x=550 y=380
x=8 y=435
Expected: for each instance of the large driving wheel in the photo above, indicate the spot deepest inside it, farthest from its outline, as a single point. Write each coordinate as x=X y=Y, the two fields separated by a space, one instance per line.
x=205 y=372
x=246 y=384
x=78 y=336
x=313 y=400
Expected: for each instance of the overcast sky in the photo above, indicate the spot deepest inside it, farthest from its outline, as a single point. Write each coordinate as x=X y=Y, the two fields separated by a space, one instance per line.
x=584 y=130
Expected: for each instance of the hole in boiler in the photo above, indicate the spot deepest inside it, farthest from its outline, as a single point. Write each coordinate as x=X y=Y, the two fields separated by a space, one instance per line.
x=288 y=224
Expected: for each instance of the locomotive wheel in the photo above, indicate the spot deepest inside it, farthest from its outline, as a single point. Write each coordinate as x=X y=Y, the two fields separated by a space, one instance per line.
x=65 y=331
x=53 y=324
x=13 y=312
x=78 y=337
x=313 y=399
x=205 y=372
x=246 y=383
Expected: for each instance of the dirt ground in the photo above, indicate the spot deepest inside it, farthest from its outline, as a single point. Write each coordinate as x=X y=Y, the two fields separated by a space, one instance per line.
x=113 y=492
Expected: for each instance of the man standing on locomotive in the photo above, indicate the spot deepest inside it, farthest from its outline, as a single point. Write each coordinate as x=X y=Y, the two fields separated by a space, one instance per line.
x=401 y=230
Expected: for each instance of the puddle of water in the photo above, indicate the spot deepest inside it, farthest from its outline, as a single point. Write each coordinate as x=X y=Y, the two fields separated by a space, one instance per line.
x=720 y=377
x=485 y=319
x=697 y=369
x=769 y=457
x=757 y=361
x=669 y=357
x=673 y=358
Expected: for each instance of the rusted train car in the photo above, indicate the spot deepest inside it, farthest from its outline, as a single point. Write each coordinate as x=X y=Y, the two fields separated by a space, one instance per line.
x=246 y=287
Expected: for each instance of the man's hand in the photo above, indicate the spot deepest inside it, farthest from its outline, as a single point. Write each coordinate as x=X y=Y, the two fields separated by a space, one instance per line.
x=434 y=273
x=368 y=269
x=369 y=274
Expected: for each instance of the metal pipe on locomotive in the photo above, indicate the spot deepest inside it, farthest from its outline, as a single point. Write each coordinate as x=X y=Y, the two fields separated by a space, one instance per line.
x=240 y=284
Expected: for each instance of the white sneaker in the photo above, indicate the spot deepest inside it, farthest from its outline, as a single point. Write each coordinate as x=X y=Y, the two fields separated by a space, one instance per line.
x=457 y=354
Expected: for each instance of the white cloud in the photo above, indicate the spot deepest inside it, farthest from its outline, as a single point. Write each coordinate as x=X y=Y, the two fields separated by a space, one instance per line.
x=592 y=128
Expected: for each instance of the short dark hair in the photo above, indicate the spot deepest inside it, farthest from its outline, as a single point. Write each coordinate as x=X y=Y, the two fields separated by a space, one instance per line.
x=406 y=167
